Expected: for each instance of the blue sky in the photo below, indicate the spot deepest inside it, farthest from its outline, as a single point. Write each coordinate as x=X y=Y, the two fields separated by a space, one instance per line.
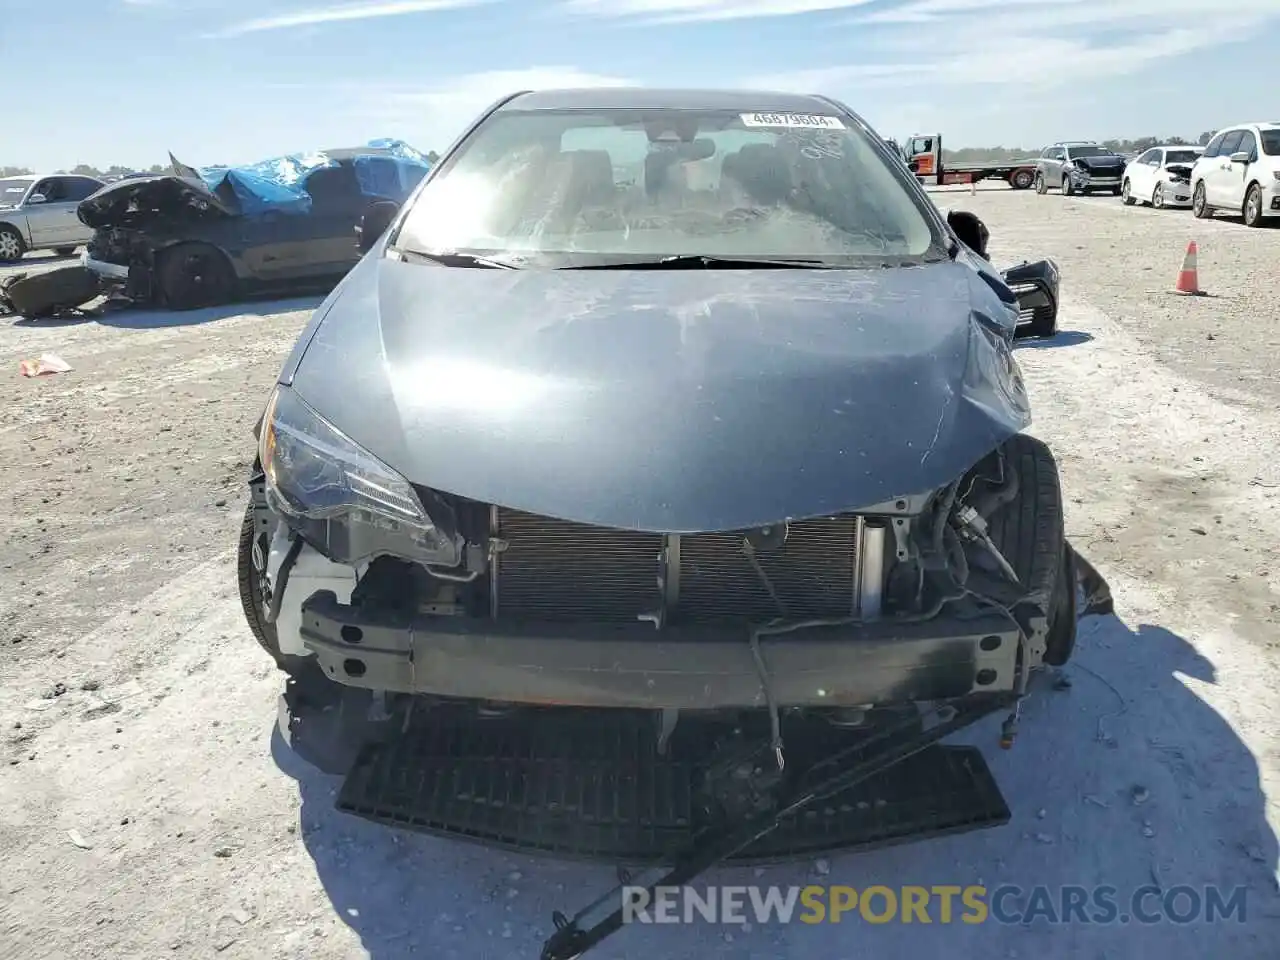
x=228 y=81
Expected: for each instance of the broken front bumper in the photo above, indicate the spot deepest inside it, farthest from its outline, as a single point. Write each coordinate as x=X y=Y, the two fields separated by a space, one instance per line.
x=637 y=666
x=104 y=269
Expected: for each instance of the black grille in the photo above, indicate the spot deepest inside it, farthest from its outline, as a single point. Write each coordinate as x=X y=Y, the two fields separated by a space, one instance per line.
x=812 y=573
x=1041 y=312
x=558 y=570
x=595 y=786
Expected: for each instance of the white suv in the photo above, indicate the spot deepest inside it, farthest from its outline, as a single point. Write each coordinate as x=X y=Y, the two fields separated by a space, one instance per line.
x=1239 y=173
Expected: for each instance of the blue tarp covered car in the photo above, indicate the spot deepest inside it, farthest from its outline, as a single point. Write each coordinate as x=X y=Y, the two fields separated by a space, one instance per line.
x=201 y=236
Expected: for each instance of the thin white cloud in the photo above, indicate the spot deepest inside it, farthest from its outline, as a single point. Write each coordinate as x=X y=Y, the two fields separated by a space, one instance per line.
x=343 y=12
x=689 y=11
x=437 y=114
x=1032 y=43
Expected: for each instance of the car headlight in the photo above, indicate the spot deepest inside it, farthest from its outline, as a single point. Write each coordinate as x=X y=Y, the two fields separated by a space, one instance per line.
x=345 y=501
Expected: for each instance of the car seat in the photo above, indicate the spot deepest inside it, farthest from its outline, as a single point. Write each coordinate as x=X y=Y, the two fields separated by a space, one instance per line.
x=763 y=174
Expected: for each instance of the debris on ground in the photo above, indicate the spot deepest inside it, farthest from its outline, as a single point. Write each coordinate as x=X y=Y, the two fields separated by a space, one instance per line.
x=44 y=365
x=50 y=293
x=76 y=838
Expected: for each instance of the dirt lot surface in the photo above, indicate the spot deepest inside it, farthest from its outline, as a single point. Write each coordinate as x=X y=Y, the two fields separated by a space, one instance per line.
x=147 y=811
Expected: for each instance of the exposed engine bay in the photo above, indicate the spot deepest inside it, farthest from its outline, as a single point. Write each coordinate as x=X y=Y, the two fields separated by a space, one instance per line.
x=905 y=562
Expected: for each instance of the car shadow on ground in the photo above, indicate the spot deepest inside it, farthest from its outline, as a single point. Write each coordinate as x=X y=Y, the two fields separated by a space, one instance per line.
x=1125 y=779
x=52 y=323
x=1063 y=338
x=151 y=318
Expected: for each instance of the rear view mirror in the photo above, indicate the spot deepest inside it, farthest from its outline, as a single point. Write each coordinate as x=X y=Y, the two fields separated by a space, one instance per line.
x=377 y=218
x=971 y=231
x=1241 y=157
x=1036 y=287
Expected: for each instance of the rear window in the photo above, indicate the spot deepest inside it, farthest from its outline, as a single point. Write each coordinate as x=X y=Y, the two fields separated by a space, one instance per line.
x=563 y=187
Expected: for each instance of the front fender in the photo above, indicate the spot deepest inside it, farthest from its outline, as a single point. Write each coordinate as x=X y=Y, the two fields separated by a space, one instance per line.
x=20 y=224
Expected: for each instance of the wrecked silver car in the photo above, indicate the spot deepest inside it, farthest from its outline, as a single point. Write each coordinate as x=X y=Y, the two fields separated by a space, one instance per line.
x=194 y=238
x=657 y=484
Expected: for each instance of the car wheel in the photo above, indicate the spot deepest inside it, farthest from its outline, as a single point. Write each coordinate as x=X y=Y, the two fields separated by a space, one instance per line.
x=1067 y=189
x=1041 y=187
x=1157 y=196
x=64 y=251
x=251 y=565
x=12 y=246
x=1124 y=192
x=1029 y=533
x=1060 y=640
x=1253 y=207
x=1020 y=180
x=1199 y=204
x=194 y=275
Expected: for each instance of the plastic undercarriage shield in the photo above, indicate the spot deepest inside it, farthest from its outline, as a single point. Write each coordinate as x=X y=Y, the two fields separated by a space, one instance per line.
x=594 y=785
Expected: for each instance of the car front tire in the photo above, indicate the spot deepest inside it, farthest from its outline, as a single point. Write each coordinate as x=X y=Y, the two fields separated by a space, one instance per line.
x=1199 y=203
x=1253 y=207
x=1126 y=194
x=12 y=247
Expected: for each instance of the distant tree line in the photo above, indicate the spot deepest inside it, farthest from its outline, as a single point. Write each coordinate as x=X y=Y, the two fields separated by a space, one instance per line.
x=115 y=171
x=963 y=155
x=1003 y=154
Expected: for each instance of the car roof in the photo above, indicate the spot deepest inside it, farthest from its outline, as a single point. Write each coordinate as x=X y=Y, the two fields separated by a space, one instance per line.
x=1175 y=146
x=657 y=98
x=1260 y=124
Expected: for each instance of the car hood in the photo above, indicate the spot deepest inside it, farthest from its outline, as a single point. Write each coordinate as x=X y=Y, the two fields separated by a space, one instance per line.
x=668 y=400
x=135 y=201
x=1103 y=162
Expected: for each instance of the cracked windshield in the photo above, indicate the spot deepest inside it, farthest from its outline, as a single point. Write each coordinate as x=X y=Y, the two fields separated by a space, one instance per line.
x=595 y=184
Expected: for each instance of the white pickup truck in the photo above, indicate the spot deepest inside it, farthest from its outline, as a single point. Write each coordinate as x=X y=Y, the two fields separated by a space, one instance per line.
x=39 y=213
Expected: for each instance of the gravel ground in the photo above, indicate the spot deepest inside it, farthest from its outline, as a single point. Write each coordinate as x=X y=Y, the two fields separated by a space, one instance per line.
x=147 y=810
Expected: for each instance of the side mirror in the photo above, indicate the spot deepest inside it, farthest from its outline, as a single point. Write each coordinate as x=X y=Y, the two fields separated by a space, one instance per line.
x=971 y=231
x=1240 y=157
x=1036 y=287
x=377 y=218
x=37 y=198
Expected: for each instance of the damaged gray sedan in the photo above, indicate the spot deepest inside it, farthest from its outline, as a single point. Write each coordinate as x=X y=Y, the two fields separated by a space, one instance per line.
x=656 y=484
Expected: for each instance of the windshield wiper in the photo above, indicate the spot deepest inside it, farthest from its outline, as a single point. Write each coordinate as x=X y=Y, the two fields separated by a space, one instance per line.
x=452 y=258
x=691 y=261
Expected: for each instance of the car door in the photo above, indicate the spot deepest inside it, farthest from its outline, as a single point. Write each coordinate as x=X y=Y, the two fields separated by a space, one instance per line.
x=76 y=190
x=1051 y=166
x=1236 y=175
x=1142 y=172
x=1219 y=175
x=286 y=247
x=47 y=214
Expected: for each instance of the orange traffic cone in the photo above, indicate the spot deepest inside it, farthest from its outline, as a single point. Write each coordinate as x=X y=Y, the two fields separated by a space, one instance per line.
x=1189 y=277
